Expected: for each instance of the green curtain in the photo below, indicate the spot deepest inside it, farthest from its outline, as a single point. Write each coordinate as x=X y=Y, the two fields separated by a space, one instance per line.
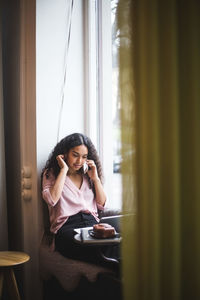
x=160 y=114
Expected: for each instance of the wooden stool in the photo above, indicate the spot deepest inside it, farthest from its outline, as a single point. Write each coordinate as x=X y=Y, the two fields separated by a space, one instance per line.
x=8 y=259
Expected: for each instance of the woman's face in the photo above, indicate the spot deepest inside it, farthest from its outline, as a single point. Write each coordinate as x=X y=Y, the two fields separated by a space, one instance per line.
x=76 y=157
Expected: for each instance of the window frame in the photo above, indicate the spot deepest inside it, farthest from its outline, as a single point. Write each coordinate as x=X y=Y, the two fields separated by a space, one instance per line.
x=98 y=85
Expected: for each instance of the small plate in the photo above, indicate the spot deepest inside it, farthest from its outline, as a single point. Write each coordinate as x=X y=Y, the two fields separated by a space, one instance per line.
x=92 y=234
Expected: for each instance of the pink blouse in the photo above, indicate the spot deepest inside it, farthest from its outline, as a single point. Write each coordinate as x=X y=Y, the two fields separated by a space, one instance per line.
x=72 y=201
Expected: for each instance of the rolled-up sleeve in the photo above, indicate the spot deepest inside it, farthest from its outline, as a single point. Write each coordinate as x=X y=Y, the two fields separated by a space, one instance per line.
x=46 y=185
x=100 y=207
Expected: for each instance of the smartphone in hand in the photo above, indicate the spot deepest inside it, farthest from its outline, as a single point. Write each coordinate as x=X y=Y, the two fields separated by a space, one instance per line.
x=85 y=168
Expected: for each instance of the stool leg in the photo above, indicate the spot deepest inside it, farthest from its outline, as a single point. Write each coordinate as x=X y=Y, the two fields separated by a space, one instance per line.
x=11 y=283
x=1 y=282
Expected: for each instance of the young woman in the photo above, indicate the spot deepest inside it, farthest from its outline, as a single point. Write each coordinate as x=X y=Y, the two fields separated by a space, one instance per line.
x=72 y=188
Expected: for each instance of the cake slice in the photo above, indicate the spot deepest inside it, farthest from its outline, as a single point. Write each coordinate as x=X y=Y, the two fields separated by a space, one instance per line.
x=103 y=230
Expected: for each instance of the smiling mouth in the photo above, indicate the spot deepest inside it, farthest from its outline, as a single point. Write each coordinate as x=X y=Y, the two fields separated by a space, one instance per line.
x=77 y=166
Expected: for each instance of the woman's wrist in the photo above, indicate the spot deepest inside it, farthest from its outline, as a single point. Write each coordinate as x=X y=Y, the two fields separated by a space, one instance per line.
x=96 y=180
x=64 y=170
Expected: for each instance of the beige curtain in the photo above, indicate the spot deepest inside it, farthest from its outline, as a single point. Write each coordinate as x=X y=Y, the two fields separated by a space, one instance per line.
x=160 y=100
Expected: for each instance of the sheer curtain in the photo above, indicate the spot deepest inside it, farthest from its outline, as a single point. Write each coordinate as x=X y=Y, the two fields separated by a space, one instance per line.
x=160 y=100
x=3 y=204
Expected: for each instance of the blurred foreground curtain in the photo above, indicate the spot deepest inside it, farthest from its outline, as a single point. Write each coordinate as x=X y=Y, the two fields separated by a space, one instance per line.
x=160 y=114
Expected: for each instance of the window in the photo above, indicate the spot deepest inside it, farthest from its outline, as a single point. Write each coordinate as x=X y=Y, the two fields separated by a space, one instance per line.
x=102 y=102
x=116 y=125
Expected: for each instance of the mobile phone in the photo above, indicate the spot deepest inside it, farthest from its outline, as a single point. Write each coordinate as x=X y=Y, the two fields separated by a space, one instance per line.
x=85 y=168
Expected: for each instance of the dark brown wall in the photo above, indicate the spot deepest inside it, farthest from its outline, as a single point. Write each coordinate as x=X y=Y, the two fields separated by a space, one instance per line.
x=11 y=93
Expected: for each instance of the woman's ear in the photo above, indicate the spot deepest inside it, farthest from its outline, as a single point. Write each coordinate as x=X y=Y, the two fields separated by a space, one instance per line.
x=65 y=157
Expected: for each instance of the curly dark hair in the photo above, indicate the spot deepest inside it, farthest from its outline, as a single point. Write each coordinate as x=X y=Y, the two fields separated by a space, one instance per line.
x=67 y=143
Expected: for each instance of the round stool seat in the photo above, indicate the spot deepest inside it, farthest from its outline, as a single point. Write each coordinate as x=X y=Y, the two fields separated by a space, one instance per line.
x=9 y=259
x=12 y=258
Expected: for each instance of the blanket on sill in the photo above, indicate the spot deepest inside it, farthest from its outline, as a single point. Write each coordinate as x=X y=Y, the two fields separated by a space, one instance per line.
x=67 y=271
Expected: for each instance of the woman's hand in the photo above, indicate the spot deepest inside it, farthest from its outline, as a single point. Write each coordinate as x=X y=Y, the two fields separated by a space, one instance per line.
x=61 y=162
x=92 y=171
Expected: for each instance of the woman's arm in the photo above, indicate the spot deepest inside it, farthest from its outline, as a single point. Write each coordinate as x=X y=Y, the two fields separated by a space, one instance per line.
x=100 y=194
x=56 y=189
x=92 y=173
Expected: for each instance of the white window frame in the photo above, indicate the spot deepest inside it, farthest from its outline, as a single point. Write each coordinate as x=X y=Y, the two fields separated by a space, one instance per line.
x=98 y=85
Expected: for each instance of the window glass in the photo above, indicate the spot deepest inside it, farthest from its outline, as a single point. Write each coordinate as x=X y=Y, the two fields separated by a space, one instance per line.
x=117 y=183
x=103 y=108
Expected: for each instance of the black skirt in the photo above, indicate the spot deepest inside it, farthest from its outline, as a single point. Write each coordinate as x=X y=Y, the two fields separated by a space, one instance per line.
x=65 y=244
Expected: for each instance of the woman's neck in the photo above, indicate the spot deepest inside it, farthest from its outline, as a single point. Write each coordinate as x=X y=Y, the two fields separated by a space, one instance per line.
x=73 y=173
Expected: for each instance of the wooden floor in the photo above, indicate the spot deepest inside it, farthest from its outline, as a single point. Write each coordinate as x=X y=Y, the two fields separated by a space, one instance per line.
x=105 y=288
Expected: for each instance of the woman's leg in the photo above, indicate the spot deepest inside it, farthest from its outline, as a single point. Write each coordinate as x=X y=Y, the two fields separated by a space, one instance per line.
x=64 y=240
x=65 y=244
